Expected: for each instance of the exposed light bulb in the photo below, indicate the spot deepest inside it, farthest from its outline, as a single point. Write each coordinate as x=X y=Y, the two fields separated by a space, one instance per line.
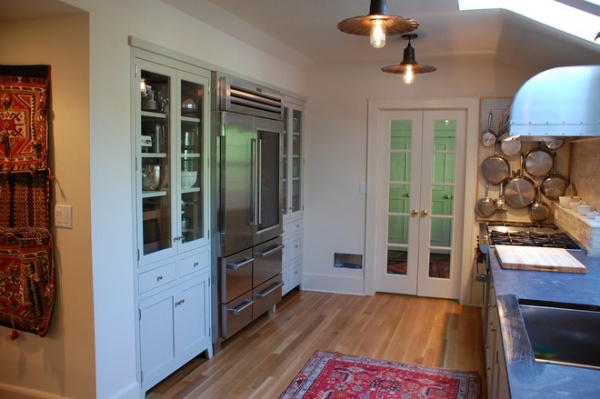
x=409 y=75
x=377 y=33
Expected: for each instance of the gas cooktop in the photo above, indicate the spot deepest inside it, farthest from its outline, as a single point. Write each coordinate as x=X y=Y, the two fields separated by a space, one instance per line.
x=533 y=235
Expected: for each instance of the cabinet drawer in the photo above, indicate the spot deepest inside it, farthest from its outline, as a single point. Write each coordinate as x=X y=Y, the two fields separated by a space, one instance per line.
x=266 y=296
x=293 y=227
x=157 y=277
x=296 y=247
x=236 y=314
x=193 y=263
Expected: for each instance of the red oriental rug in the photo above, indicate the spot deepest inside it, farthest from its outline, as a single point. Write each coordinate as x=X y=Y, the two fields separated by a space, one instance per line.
x=333 y=375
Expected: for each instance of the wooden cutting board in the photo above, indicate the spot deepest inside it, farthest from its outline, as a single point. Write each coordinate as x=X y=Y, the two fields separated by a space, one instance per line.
x=536 y=258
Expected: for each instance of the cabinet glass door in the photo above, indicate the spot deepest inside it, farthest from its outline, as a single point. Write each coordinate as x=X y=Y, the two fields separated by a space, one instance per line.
x=285 y=178
x=153 y=138
x=172 y=170
x=292 y=162
x=190 y=149
x=296 y=160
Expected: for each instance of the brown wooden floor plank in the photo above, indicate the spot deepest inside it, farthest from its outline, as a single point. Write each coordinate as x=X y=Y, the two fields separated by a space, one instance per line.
x=261 y=360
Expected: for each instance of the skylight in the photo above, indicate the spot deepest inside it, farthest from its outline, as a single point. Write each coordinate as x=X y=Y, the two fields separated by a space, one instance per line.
x=549 y=12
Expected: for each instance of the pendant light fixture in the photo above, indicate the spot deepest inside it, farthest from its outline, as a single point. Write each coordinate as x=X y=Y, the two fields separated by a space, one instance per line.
x=378 y=24
x=409 y=67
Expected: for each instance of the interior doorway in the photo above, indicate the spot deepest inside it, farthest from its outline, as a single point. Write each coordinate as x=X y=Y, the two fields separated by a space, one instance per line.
x=416 y=199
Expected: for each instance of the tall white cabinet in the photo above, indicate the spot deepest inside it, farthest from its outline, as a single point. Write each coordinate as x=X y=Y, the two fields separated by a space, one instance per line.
x=170 y=103
x=293 y=206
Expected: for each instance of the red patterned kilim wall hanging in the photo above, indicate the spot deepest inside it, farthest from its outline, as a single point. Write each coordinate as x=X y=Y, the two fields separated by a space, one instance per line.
x=26 y=245
x=24 y=118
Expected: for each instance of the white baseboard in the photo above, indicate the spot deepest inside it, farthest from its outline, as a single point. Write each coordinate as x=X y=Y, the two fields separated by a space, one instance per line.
x=333 y=284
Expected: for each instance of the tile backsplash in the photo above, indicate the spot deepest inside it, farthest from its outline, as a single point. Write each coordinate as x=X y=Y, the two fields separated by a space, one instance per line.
x=585 y=231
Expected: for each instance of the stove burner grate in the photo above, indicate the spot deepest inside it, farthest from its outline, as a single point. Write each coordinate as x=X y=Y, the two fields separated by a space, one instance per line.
x=533 y=239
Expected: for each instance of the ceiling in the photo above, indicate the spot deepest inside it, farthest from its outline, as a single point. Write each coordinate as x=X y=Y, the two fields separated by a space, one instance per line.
x=309 y=27
x=304 y=32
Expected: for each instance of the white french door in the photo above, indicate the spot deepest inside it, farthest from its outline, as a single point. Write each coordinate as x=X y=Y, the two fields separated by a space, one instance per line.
x=418 y=168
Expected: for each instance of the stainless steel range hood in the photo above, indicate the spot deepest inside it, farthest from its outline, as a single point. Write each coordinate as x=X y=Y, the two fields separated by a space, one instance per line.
x=560 y=102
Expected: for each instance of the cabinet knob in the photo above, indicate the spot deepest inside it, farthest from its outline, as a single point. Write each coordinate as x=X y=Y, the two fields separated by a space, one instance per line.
x=424 y=212
x=414 y=212
x=159 y=278
x=196 y=264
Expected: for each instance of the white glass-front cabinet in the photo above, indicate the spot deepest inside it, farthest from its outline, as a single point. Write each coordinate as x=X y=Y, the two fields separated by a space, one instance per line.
x=170 y=136
x=293 y=206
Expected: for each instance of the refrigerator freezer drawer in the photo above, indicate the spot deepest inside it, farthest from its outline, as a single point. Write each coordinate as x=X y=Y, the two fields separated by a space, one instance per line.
x=268 y=259
x=236 y=315
x=236 y=275
x=266 y=296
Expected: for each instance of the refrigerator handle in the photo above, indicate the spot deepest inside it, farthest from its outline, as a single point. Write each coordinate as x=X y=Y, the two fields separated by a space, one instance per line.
x=254 y=183
x=259 y=183
x=269 y=252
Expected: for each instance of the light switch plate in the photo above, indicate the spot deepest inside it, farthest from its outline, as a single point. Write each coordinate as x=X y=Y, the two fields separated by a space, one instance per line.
x=362 y=187
x=63 y=216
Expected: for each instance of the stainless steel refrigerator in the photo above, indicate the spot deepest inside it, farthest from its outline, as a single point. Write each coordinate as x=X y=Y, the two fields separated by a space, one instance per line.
x=249 y=143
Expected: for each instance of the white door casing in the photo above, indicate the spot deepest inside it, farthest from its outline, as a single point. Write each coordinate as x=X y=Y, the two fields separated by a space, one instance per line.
x=380 y=114
x=418 y=222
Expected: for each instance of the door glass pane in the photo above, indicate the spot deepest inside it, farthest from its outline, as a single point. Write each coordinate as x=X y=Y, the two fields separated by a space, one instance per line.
x=443 y=130
x=400 y=135
x=398 y=229
x=192 y=218
x=443 y=168
x=397 y=260
x=439 y=264
x=400 y=166
x=399 y=198
x=441 y=232
x=442 y=199
x=269 y=195
x=155 y=161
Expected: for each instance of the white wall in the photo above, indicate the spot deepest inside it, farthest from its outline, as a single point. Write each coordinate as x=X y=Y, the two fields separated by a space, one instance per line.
x=96 y=358
x=336 y=151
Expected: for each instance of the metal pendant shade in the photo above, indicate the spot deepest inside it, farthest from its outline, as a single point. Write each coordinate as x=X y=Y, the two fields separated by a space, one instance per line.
x=394 y=25
x=409 y=60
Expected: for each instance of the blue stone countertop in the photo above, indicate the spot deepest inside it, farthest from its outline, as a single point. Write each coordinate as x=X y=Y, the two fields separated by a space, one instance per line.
x=528 y=378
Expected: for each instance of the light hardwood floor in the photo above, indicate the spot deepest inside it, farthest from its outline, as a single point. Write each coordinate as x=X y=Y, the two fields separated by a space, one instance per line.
x=261 y=360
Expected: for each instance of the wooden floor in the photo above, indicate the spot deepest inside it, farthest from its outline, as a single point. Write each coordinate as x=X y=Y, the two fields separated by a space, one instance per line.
x=261 y=360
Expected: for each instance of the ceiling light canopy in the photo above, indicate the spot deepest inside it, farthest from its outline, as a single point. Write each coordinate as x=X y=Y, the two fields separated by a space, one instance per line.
x=378 y=24
x=409 y=66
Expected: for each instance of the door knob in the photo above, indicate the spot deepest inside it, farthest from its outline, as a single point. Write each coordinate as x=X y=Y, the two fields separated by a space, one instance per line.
x=448 y=196
x=407 y=195
x=414 y=212
x=424 y=212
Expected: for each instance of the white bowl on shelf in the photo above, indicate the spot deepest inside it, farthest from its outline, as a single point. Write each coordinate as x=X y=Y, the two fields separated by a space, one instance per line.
x=188 y=179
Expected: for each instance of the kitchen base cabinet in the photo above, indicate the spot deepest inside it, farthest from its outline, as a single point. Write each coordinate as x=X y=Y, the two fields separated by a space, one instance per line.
x=495 y=362
x=174 y=328
x=292 y=255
